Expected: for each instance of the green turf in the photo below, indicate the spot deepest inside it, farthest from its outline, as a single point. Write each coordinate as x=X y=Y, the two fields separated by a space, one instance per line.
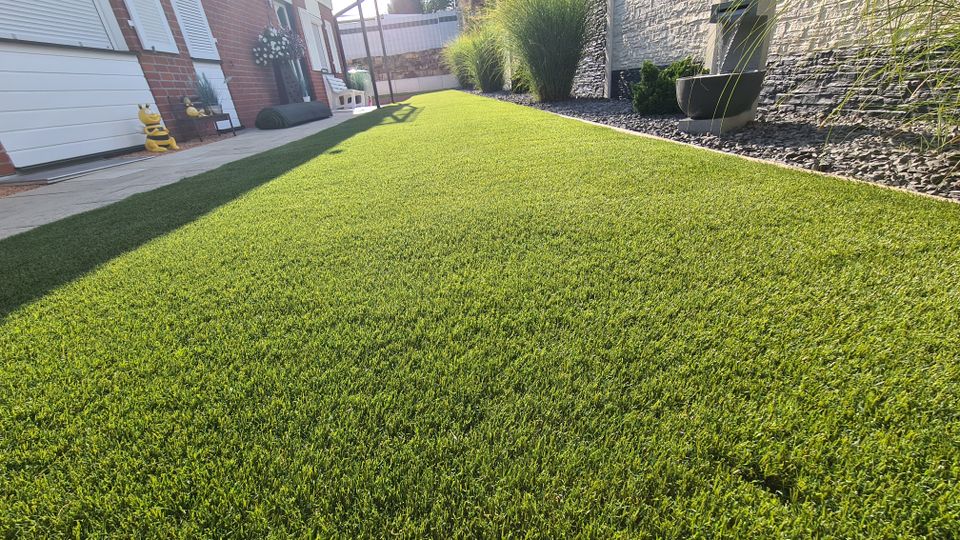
x=460 y=317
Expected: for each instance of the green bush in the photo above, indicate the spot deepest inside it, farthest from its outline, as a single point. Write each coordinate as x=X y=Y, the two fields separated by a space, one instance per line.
x=483 y=52
x=656 y=92
x=455 y=58
x=548 y=36
x=358 y=80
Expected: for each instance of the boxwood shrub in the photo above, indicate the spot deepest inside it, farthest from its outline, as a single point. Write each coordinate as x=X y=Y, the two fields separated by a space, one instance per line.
x=656 y=92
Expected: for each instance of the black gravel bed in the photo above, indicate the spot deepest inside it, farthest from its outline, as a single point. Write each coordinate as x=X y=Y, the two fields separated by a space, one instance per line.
x=866 y=148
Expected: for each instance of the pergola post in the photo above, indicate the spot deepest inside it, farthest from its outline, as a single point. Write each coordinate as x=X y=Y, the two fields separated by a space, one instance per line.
x=366 y=45
x=383 y=50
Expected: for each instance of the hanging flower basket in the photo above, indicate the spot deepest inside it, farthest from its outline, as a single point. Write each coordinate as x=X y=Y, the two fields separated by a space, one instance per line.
x=277 y=45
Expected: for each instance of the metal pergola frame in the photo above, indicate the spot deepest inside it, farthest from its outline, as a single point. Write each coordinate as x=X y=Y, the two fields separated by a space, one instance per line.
x=366 y=45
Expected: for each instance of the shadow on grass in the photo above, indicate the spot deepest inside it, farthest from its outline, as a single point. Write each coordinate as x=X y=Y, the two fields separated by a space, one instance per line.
x=37 y=261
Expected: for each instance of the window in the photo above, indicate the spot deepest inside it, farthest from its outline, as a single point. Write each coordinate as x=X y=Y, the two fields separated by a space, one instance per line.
x=322 y=63
x=282 y=16
x=151 y=24
x=328 y=29
x=316 y=44
x=196 y=29
x=82 y=23
x=285 y=16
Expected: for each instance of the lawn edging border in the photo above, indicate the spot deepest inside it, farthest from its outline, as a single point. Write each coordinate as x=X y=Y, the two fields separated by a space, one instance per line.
x=741 y=156
x=759 y=160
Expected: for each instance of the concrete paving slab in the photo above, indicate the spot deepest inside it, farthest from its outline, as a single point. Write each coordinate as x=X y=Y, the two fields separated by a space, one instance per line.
x=46 y=204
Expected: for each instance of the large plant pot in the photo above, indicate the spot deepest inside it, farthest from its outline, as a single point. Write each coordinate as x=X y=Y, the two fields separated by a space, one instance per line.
x=723 y=95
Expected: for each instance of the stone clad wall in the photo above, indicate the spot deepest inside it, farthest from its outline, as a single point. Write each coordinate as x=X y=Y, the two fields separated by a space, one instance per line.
x=408 y=65
x=591 y=78
x=812 y=62
x=658 y=31
x=666 y=31
x=808 y=27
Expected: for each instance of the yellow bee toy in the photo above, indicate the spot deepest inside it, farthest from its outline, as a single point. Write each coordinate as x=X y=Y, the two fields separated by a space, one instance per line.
x=192 y=111
x=158 y=138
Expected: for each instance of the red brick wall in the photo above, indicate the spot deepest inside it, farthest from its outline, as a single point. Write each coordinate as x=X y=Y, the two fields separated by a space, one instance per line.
x=236 y=24
x=168 y=75
x=6 y=166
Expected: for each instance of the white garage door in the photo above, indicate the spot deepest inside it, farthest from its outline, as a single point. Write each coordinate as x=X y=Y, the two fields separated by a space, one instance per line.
x=59 y=103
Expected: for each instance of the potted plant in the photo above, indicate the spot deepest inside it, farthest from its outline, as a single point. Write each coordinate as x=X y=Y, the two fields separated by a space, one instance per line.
x=283 y=49
x=275 y=45
x=304 y=90
x=208 y=94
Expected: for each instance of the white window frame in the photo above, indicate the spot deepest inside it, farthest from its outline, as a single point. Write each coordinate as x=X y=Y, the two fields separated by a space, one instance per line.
x=331 y=39
x=186 y=35
x=170 y=46
x=322 y=50
x=312 y=31
x=110 y=24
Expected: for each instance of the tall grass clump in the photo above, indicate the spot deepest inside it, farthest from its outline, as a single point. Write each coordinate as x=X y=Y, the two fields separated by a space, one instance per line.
x=915 y=45
x=482 y=55
x=455 y=58
x=359 y=80
x=519 y=76
x=549 y=37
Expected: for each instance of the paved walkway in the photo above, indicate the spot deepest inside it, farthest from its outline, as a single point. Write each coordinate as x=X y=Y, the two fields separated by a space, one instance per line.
x=46 y=204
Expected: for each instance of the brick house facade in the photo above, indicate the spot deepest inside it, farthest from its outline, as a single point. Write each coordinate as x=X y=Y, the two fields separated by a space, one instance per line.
x=103 y=57
x=167 y=74
x=316 y=77
x=235 y=25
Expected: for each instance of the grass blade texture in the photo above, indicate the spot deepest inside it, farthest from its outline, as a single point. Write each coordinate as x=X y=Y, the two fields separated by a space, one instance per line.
x=457 y=317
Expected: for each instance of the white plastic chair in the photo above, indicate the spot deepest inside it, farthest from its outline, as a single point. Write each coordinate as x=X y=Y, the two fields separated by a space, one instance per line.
x=340 y=96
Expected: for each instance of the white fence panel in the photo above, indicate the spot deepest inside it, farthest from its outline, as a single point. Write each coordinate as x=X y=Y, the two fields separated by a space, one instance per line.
x=403 y=34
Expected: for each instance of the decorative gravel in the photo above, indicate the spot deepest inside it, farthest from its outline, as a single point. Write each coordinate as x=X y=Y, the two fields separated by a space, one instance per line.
x=865 y=148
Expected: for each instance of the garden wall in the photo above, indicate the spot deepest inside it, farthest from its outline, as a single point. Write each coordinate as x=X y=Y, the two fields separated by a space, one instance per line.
x=408 y=65
x=411 y=72
x=666 y=31
x=591 y=78
x=812 y=63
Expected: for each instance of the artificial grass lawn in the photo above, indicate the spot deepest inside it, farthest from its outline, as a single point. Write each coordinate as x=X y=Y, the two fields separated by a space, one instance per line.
x=460 y=317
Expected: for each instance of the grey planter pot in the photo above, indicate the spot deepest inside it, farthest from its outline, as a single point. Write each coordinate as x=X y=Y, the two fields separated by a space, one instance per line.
x=723 y=95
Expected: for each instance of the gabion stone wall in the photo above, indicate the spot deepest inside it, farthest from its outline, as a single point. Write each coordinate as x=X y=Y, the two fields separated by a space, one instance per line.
x=408 y=65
